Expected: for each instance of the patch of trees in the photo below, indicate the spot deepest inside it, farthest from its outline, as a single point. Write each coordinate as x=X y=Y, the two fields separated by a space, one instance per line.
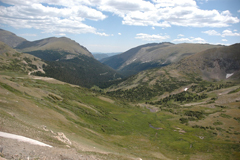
x=192 y=116
x=183 y=97
x=82 y=70
x=210 y=86
x=146 y=92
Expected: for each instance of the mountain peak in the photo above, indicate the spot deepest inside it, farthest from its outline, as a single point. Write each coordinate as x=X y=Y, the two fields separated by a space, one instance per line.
x=54 y=43
x=10 y=38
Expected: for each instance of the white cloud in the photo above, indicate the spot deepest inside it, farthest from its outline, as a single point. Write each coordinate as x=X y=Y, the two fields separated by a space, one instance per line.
x=44 y=15
x=103 y=34
x=119 y=34
x=239 y=10
x=223 y=34
x=212 y=33
x=180 y=35
x=224 y=40
x=190 y=40
x=229 y=33
x=181 y=13
x=69 y=16
x=153 y=28
x=148 y=37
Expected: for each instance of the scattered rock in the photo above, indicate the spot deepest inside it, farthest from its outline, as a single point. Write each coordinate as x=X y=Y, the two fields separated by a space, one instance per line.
x=61 y=137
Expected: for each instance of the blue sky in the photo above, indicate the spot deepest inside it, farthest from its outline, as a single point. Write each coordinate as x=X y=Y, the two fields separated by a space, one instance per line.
x=118 y=25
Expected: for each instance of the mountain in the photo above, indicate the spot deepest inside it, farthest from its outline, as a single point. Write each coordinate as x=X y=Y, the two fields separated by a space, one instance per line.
x=10 y=38
x=153 y=55
x=100 y=56
x=61 y=45
x=217 y=64
x=68 y=61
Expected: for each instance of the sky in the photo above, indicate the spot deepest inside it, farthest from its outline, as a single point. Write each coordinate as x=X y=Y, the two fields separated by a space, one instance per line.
x=117 y=25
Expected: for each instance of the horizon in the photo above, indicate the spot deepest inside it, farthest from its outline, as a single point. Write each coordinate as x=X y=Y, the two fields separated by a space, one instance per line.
x=113 y=26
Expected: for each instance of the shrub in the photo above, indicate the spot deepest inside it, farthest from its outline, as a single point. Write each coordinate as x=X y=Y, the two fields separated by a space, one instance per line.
x=217 y=123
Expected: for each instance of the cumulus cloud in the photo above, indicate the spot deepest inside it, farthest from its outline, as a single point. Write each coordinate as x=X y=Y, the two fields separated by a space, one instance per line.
x=224 y=40
x=165 y=13
x=119 y=34
x=190 y=40
x=223 y=34
x=229 y=33
x=148 y=37
x=50 y=16
x=212 y=33
x=70 y=16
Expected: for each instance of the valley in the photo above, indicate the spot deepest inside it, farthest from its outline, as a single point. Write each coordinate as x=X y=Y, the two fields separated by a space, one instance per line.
x=188 y=109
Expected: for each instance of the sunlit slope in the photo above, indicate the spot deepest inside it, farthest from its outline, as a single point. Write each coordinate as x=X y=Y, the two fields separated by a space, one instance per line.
x=12 y=60
x=39 y=108
x=218 y=63
x=153 y=55
x=56 y=44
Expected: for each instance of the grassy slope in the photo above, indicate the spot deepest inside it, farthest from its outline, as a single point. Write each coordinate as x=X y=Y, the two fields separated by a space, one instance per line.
x=56 y=44
x=115 y=127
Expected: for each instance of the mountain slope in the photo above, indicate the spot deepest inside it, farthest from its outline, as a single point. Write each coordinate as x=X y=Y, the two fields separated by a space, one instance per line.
x=118 y=60
x=153 y=55
x=12 y=60
x=68 y=61
x=10 y=38
x=61 y=44
x=82 y=124
x=221 y=63
x=217 y=63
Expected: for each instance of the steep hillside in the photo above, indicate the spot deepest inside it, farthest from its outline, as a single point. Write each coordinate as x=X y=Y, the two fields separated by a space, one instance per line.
x=82 y=70
x=10 y=38
x=153 y=55
x=217 y=63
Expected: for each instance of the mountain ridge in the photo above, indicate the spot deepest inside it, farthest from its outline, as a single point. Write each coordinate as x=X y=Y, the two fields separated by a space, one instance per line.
x=153 y=55
x=10 y=38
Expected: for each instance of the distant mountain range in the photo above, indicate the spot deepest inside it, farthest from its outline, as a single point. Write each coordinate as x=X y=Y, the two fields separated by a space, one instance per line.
x=153 y=55
x=100 y=56
x=66 y=60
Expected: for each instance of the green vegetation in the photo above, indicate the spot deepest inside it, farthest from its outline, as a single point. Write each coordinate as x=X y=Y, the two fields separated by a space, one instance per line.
x=217 y=123
x=124 y=127
x=208 y=86
x=81 y=70
x=234 y=91
x=225 y=116
x=183 y=97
